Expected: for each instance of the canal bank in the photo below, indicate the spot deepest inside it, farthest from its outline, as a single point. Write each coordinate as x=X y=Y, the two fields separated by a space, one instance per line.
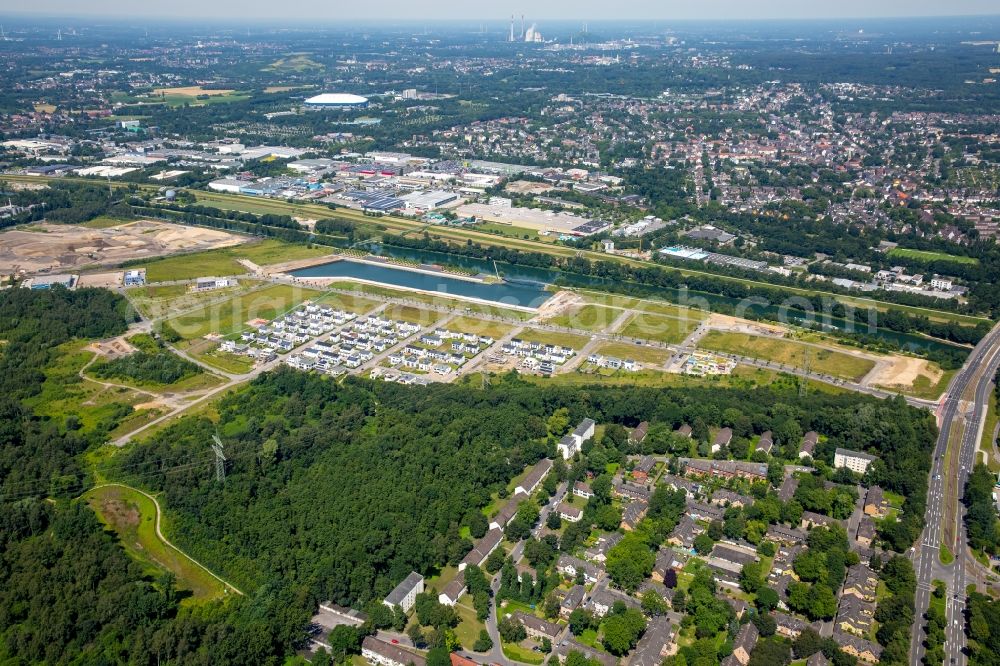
x=325 y=282
x=526 y=297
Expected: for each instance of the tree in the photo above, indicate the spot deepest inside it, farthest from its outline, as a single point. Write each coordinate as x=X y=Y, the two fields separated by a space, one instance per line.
x=703 y=544
x=478 y=524
x=398 y=618
x=481 y=602
x=475 y=580
x=553 y=521
x=771 y=652
x=775 y=473
x=807 y=643
x=608 y=518
x=653 y=604
x=621 y=631
x=766 y=599
x=670 y=579
x=751 y=577
x=765 y=624
x=601 y=487
x=484 y=643
x=495 y=560
x=539 y=552
x=511 y=630
x=630 y=562
x=438 y=656
x=416 y=635
x=344 y=640
x=558 y=423
x=579 y=621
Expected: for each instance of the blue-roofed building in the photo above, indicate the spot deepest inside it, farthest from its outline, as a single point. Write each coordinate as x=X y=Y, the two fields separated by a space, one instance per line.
x=134 y=278
x=49 y=281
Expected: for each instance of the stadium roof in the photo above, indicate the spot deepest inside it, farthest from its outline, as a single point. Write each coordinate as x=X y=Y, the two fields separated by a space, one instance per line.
x=336 y=99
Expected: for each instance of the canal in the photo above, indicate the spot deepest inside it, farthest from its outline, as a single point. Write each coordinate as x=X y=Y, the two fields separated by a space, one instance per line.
x=530 y=295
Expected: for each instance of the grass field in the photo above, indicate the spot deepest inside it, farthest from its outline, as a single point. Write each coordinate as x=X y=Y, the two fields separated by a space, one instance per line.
x=577 y=342
x=200 y=381
x=223 y=261
x=587 y=317
x=929 y=256
x=167 y=300
x=229 y=317
x=660 y=328
x=645 y=305
x=493 y=329
x=195 y=96
x=132 y=516
x=924 y=388
x=522 y=654
x=643 y=354
x=348 y=302
x=104 y=222
x=989 y=429
x=838 y=364
x=412 y=314
x=238 y=365
x=469 y=627
x=299 y=62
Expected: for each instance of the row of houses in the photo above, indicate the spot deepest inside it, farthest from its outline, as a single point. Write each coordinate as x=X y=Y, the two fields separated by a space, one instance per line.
x=491 y=540
x=613 y=363
x=399 y=377
x=295 y=328
x=353 y=345
x=724 y=469
x=536 y=355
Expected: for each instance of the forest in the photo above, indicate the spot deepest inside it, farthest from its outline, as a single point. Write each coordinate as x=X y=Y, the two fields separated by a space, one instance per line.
x=405 y=469
x=68 y=592
x=983 y=630
x=38 y=457
x=159 y=367
x=981 y=515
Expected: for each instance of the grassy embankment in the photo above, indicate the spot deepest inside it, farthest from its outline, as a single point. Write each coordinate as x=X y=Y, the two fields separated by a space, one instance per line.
x=132 y=516
x=787 y=352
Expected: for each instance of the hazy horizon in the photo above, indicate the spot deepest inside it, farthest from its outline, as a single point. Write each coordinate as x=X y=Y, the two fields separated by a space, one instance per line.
x=438 y=10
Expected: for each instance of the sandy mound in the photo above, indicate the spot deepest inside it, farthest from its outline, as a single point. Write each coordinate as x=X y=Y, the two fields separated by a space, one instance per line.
x=737 y=325
x=904 y=371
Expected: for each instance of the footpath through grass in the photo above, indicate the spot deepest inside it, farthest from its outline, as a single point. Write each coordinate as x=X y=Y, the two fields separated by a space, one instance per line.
x=132 y=516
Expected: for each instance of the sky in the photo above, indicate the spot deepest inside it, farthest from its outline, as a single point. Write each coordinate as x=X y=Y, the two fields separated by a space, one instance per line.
x=295 y=11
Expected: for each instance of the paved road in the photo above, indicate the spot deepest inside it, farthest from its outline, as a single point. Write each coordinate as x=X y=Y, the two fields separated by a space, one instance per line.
x=496 y=655
x=961 y=417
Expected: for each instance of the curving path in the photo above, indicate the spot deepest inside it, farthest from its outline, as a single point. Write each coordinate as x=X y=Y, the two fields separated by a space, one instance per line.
x=159 y=532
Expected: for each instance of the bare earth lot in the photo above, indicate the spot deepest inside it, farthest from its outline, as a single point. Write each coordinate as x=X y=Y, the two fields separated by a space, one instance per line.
x=57 y=247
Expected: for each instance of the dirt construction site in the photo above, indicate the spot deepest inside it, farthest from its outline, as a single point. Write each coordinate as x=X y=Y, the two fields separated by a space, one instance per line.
x=58 y=247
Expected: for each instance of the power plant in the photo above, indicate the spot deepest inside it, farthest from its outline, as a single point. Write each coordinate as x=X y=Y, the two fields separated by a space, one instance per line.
x=530 y=35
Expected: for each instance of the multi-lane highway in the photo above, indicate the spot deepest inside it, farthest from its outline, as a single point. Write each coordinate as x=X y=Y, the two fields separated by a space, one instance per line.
x=961 y=418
